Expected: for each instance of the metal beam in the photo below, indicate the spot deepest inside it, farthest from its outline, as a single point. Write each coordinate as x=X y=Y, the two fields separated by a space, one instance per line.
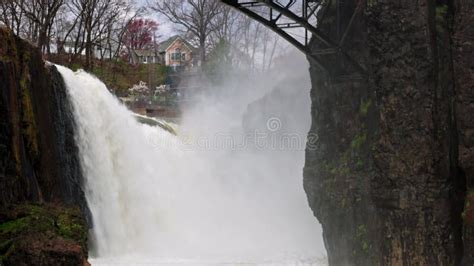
x=251 y=4
x=289 y=14
x=297 y=21
x=316 y=33
x=280 y=32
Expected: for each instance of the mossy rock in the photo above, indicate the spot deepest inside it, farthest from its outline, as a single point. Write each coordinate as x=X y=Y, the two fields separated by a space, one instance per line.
x=31 y=232
x=72 y=227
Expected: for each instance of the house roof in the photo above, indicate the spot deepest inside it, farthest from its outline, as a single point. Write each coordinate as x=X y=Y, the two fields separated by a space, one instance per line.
x=145 y=52
x=166 y=44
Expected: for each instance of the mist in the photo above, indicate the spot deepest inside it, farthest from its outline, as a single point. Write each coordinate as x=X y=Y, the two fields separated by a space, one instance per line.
x=241 y=128
x=226 y=189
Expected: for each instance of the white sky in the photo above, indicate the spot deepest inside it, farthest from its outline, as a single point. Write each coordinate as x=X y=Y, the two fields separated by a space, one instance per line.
x=165 y=28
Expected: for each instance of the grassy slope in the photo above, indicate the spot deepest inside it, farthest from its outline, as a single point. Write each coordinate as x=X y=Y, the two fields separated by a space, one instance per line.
x=119 y=75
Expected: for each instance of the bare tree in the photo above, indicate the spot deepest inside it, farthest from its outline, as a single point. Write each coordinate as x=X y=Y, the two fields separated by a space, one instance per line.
x=93 y=28
x=119 y=28
x=92 y=13
x=41 y=14
x=270 y=44
x=228 y=26
x=64 y=26
x=94 y=25
x=195 y=16
x=259 y=43
x=11 y=15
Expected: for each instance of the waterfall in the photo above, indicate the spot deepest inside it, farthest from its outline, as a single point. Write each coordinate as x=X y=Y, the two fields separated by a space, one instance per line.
x=155 y=200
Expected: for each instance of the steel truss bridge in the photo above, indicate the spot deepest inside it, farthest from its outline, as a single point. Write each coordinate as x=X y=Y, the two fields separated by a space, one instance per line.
x=297 y=22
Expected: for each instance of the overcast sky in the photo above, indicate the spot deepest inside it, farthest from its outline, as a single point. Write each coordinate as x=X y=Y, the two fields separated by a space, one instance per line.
x=166 y=29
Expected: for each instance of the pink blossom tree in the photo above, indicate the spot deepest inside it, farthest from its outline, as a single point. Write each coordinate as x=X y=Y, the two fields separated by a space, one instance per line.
x=140 y=34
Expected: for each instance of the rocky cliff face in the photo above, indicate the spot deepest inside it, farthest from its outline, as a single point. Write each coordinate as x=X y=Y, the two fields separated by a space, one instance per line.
x=389 y=177
x=38 y=157
x=463 y=62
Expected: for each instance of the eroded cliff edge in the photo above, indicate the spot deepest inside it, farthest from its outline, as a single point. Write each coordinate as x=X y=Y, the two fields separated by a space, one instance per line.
x=391 y=179
x=42 y=205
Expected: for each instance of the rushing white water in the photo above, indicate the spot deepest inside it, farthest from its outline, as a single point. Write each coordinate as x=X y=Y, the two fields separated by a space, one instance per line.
x=156 y=201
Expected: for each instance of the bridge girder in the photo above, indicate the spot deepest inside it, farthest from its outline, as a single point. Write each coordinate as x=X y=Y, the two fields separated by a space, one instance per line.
x=280 y=17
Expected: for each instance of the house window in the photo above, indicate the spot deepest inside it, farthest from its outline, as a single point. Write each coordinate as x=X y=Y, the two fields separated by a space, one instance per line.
x=144 y=59
x=176 y=56
x=183 y=56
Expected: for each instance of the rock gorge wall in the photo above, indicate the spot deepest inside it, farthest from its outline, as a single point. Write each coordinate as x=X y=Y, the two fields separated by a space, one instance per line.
x=463 y=63
x=391 y=179
x=42 y=204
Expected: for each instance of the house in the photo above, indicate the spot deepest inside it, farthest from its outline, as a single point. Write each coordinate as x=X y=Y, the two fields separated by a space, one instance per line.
x=178 y=53
x=98 y=51
x=144 y=56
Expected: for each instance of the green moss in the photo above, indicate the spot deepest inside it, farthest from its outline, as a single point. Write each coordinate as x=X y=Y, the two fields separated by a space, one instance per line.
x=356 y=145
x=341 y=170
x=28 y=116
x=71 y=227
x=364 y=107
x=361 y=237
x=359 y=140
x=371 y=3
x=33 y=222
x=471 y=193
x=365 y=247
x=28 y=119
x=33 y=209
x=15 y=226
x=343 y=203
x=441 y=11
x=50 y=221
x=361 y=230
x=75 y=66
x=441 y=14
x=359 y=162
x=336 y=168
